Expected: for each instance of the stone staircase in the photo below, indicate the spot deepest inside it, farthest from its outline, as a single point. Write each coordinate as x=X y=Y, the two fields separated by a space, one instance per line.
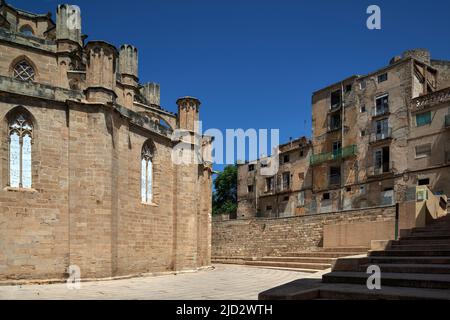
x=415 y=267
x=308 y=261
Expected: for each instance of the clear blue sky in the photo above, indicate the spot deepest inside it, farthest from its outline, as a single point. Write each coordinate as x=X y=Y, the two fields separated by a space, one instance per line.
x=255 y=63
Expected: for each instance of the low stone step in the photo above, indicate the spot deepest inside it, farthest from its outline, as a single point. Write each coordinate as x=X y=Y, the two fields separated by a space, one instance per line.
x=361 y=292
x=437 y=227
x=421 y=242
x=430 y=232
x=410 y=253
x=319 y=254
x=411 y=268
x=286 y=269
x=426 y=237
x=416 y=280
x=299 y=259
x=409 y=260
x=420 y=246
x=346 y=249
x=315 y=266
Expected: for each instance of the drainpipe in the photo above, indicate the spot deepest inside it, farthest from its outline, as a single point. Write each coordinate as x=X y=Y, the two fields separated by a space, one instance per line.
x=342 y=143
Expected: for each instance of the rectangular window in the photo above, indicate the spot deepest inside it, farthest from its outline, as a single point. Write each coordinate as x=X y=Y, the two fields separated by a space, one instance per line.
x=363 y=133
x=423 y=150
x=286 y=158
x=326 y=196
x=251 y=167
x=336 y=99
x=348 y=88
x=269 y=184
x=336 y=148
x=286 y=180
x=334 y=122
x=301 y=198
x=268 y=208
x=423 y=182
x=382 y=160
x=423 y=118
x=362 y=109
x=301 y=153
x=335 y=176
x=250 y=188
x=381 y=105
x=382 y=77
x=362 y=85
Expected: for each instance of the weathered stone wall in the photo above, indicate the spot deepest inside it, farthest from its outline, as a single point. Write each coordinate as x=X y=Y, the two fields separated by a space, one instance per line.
x=258 y=237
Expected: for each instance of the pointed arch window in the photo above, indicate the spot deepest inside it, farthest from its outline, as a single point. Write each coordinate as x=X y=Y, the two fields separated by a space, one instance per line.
x=23 y=71
x=20 y=142
x=27 y=31
x=147 y=155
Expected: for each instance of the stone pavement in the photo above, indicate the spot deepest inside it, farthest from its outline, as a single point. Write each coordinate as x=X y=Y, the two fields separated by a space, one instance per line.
x=227 y=282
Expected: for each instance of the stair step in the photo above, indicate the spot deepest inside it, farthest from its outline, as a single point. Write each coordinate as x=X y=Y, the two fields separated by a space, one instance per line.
x=416 y=280
x=361 y=292
x=320 y=254
x=346 y=249
x=409 y=260
x=411 y=268
x=421 y=242
x=430 y=232
x=420 y=246
x=410 y=253
x=315 y=266
x=427 y=236
x=299 y=259
x=287 y=269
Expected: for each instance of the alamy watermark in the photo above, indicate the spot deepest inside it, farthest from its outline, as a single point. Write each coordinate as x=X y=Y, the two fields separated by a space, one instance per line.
x=374 y=20
x=227 y=147
x=374 y=280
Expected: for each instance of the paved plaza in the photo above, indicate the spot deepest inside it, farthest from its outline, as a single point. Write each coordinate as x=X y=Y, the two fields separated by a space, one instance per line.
x=227 y=282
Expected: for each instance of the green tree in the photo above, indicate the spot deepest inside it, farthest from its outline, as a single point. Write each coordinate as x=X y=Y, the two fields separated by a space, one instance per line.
x=225 y=193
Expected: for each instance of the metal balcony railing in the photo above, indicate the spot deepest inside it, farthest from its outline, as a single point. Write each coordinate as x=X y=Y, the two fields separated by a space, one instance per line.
x=380 y=135
x=431 y=99
x=447 y=121
x=380 y=111
x=335 y=155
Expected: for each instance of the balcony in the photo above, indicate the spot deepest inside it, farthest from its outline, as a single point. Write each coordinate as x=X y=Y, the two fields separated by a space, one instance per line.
x=346 y=152
x=380 y=112
x=334 y=127
x=431 y=99
x=447 y=121
x=378 y=136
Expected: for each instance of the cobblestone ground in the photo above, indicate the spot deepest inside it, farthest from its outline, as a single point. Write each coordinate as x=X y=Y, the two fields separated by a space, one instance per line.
x=228 y=282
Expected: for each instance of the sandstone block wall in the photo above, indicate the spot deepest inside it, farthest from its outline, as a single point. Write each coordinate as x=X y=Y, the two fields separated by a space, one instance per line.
x=259 y=237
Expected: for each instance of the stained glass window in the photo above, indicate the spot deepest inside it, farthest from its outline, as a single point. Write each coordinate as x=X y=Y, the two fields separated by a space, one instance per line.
x=23 y=71
x=20 y=142
x=147 y=173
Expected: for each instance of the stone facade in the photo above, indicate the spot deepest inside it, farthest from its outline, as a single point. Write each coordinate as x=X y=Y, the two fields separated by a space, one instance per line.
x=280 y=195
x=367 y=147
x=91 y=118
x=366 y=130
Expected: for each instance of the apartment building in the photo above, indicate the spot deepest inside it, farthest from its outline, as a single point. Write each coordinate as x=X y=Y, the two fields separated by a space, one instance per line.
x=285 y=193
x=376 y=135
